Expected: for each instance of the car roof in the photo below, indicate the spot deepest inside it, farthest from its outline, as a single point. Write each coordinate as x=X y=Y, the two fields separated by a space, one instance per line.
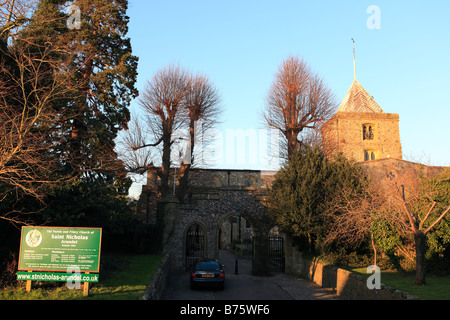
x=207 y=260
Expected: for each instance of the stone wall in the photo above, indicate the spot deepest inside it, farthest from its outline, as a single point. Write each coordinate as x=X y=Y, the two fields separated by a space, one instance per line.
x=217 y=178
x=351 y=286
x=401 y=169
x=346 y=284
x=158 y=284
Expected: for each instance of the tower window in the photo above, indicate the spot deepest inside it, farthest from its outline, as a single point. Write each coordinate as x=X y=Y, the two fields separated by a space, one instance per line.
x=368 y=132
x=369 y=155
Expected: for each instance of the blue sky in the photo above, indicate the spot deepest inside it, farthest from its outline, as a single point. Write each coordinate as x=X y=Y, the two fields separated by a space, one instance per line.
x=404 y=64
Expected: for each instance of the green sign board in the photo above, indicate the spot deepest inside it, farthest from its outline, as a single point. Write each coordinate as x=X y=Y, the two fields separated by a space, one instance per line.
x=60 y=249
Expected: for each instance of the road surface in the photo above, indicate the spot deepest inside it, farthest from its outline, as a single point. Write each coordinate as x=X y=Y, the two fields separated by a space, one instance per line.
x=245 y=286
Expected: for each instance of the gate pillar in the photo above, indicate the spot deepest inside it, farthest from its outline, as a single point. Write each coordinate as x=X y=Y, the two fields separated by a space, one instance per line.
x=167 y=217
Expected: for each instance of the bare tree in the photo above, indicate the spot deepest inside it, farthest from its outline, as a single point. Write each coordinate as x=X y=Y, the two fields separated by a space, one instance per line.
x=30 y=85
x=203 y=110
x=162 y=102
x=412 y=205
x=297 y=101
x=177 y=108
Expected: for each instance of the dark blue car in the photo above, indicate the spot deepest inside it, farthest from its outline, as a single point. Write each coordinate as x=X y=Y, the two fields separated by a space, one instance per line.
x=208 y=272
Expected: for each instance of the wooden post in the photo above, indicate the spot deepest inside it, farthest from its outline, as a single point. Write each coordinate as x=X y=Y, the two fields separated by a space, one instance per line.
x=29 y=283
x=86 y=288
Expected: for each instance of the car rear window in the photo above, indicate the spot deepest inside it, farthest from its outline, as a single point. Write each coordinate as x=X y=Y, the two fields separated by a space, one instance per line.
x=207 y=265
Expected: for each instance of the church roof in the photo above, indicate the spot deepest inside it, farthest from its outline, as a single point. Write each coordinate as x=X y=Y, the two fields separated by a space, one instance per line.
x=358 y=99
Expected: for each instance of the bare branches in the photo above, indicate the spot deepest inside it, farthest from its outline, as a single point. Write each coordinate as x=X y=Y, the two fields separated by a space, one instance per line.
x=410 y=211
x=298 y=100
x=173 y=102
x=13 y=14
x=163 y=99
x=353 y=215
x=202 y=102
x=137 y=155
x=417 y=198
x=162 y=102
x=411 y=205
x=30 y=86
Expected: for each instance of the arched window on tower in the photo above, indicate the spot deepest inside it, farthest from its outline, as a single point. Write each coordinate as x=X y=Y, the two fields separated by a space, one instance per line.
x=368 y=132
x=369 y=155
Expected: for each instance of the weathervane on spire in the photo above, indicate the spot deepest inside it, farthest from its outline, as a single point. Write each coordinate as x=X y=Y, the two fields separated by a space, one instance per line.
x=354 y=60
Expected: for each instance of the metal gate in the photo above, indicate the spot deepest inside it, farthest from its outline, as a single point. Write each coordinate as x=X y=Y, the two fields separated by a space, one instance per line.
x=276 y=254
x=195 y=248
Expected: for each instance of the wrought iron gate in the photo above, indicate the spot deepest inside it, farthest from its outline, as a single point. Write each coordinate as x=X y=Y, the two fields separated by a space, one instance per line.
x=195 y=248
x=276 y=254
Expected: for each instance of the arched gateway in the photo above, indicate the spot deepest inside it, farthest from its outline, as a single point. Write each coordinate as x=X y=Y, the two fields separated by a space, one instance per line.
x=221 y=206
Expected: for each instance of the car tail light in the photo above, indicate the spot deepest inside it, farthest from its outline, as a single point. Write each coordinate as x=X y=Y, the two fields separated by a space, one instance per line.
x=192 y=274
x=222 y=275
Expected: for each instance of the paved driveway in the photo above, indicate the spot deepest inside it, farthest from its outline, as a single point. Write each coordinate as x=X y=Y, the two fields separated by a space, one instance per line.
x=245 y=286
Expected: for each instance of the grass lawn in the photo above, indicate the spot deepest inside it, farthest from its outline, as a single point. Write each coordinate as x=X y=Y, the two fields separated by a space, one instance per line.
x=437 y=288
x=124 y=277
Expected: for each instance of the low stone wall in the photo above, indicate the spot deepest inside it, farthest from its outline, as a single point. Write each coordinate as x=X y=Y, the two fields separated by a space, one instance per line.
x=346 y=284
x=314 y=270
x=351 y=286
x=156 y=287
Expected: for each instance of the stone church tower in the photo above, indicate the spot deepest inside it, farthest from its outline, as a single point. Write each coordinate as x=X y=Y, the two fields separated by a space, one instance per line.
x=361 y=130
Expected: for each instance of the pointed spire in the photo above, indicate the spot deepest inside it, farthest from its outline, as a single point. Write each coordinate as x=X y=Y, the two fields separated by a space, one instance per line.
x=358 y=99
x=354 y=60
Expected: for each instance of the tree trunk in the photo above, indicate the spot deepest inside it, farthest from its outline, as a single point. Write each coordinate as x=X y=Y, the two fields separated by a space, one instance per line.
x=186 y=167
x=291 y=137
x=165 y=168
x=420 y=244
x=183 y=181
x=374 y=251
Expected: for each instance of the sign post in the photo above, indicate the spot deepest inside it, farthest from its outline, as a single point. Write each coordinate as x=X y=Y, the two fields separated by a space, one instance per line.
x=59 y=249
x=28 y=285
x=86 y=288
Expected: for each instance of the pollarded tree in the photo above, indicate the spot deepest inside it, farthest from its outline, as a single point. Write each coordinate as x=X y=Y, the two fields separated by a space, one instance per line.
x=203 y=110
x=177 y=107
x=297 y=101
x=162 y=102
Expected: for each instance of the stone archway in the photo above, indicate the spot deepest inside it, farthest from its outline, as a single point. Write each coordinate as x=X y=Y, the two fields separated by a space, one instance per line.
x=235 y=233
x=210 y=206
